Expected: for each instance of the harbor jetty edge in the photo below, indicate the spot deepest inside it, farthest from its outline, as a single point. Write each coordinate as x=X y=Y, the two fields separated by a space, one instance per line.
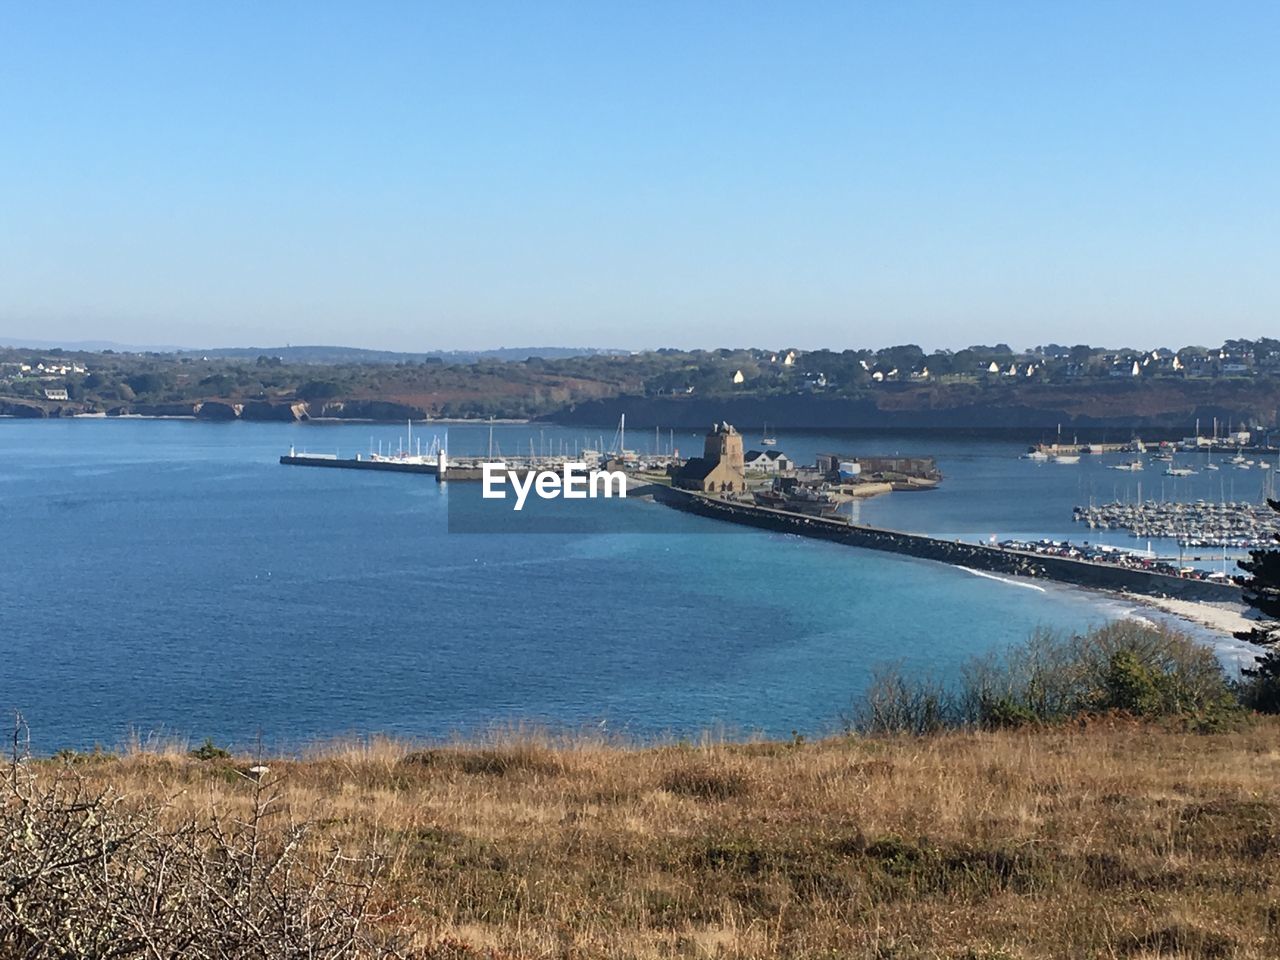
x=975 y=556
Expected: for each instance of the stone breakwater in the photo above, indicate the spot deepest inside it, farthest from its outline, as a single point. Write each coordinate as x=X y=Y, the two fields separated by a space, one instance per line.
x=975 y=556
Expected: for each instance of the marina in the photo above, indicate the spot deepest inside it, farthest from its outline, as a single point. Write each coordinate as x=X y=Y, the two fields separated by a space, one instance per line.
x=1230 y=525
x=403 y=456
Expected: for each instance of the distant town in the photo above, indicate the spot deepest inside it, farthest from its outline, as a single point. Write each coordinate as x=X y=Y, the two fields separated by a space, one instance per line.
x=1081 y=385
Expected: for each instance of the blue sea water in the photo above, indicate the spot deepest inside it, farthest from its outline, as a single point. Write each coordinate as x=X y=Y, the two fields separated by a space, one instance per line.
x=171 y=578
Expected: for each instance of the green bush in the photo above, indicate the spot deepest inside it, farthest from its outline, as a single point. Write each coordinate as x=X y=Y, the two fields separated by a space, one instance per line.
x=319 y=390
x=147 y=383
x=210 y=751
x=1006 y=714
x=1130 y=685
x=1149 y=672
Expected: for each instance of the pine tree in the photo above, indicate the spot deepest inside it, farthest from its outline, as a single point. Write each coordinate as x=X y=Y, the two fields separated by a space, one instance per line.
x=1262 y=592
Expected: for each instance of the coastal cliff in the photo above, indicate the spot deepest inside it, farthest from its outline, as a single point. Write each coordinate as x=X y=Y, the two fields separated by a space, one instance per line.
x=1169 y=408
x=1164 y=408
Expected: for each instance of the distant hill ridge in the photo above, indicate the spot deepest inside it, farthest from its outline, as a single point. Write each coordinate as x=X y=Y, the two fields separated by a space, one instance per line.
x=333 y=354
x=318 y=353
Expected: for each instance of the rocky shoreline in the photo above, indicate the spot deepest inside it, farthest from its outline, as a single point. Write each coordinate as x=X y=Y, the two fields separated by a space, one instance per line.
x=222 y=411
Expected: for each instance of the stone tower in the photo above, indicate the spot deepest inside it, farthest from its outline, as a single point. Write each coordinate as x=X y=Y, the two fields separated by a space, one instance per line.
x=724 y=445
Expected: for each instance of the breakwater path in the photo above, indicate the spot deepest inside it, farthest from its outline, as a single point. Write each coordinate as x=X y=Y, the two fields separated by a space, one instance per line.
x=992 y=559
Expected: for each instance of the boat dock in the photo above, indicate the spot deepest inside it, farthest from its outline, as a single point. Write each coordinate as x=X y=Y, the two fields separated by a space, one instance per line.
x=442 y=467
x=436 y=461
x=457 y=469
x=1076 y=449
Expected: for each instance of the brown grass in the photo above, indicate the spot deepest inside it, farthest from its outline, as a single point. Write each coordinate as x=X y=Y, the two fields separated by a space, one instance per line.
x=1109 y=841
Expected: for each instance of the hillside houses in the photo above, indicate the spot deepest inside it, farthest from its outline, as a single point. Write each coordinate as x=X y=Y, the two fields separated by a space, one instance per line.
x=41 y=370
x=848 y=371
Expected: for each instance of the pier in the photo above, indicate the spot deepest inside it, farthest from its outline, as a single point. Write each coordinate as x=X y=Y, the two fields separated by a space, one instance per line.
x=442 y=467
x=1076 y=449
x=991 y=559
x=437 y=462
x=358 y=463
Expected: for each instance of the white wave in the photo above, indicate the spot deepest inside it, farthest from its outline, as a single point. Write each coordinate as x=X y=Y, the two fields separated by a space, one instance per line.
x=1012 y=583
x=1134 y=616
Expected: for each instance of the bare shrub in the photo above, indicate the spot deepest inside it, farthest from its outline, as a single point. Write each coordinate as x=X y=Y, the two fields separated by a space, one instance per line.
x=895 y=703
x=87 y=872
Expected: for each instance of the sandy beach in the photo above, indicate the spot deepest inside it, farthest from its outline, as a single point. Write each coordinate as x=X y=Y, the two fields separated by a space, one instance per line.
x=1224 y=618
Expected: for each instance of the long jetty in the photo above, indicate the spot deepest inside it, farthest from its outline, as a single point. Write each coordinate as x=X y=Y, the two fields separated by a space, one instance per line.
x=1000 y=560
x=439 y=467
x=357 y=463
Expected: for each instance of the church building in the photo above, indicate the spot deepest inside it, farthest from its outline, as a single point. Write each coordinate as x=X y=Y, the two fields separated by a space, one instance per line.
x=720 y=469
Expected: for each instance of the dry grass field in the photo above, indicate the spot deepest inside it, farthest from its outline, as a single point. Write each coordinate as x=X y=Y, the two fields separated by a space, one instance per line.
x=1110 y=839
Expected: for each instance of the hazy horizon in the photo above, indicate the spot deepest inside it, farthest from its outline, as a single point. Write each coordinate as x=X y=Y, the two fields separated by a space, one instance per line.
x=96 y=346
x=443 y=177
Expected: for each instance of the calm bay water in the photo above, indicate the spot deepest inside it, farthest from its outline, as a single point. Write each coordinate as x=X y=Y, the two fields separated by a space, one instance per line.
x=171 y=578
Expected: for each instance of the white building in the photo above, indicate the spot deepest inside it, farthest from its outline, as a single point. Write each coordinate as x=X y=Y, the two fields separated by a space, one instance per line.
x=767 y=461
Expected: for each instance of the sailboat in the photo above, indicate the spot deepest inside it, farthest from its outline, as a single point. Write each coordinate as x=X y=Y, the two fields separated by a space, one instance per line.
x=766 y=440
x=1059 y=456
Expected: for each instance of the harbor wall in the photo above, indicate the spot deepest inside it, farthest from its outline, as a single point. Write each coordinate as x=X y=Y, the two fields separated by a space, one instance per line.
x=975 y=556
x=464 y=473
x=353 y=464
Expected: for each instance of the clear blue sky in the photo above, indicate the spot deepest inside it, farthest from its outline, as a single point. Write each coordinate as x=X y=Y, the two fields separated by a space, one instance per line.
x=469 y=174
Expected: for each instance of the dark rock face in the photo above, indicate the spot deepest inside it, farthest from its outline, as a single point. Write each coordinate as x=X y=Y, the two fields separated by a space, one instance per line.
x=163 y=409
x=16 y=408
x=267 y=411
x=217 y=410
x=371 y=410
